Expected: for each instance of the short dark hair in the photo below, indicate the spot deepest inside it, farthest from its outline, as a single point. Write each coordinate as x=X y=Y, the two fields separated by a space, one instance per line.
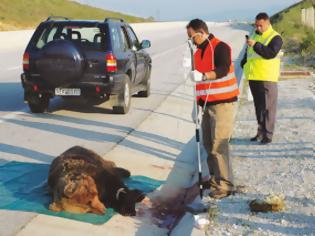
x=262 y=16
x=197 y=25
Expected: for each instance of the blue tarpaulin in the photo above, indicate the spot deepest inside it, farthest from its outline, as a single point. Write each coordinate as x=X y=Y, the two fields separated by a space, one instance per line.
x=23 y=187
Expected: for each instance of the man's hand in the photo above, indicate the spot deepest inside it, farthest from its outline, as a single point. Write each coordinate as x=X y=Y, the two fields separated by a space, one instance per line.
x=211 y=75
x=251 y=42
x=196 y=76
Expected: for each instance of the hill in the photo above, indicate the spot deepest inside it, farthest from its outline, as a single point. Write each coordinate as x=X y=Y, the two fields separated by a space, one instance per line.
x=25 y=14
x=297 y=37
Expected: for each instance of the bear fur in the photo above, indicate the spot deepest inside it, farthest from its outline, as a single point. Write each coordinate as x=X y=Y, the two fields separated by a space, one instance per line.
x=83 y=182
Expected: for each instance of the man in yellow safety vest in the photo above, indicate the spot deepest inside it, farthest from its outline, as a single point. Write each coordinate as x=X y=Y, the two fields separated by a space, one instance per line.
x=261 y=65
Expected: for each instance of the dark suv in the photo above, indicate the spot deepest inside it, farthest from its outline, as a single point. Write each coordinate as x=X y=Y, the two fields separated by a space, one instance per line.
x=93 y=60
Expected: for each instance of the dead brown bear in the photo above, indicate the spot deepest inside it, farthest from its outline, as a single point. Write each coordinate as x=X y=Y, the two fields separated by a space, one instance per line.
x=81 y=181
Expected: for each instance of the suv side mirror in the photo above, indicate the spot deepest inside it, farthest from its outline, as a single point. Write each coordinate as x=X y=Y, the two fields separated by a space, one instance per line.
x=145 y=44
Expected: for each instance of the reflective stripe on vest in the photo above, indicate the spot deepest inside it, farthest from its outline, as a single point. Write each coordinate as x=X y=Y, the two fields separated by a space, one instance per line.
x=218 y=89
x=226 y=78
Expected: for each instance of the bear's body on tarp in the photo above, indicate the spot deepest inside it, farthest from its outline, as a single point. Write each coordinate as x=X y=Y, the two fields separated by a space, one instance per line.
x=81 y=182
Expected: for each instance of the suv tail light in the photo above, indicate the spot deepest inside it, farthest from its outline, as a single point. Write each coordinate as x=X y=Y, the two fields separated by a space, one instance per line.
x=26 y=61
x=97 y=89
x=111 y=63
x=35 y=88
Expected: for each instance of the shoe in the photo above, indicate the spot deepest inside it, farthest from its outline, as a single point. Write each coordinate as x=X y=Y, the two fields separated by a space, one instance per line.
x=219 y=194
x=256 y=138
x=266 y=140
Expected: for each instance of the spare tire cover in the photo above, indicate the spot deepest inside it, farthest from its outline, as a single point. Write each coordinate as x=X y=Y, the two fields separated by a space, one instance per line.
x=60 y=63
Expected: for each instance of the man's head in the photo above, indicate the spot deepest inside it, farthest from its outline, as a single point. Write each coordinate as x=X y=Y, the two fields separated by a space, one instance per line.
x=262 y=22
x=198 y=31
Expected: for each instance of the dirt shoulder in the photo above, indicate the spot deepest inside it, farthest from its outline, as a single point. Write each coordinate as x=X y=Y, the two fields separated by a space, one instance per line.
x=286 y=166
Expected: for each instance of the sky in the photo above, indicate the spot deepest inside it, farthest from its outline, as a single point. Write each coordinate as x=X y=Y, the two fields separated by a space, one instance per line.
x=176 y=10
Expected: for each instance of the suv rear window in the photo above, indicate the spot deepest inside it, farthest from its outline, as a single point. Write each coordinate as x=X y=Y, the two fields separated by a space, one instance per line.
x=86 y=37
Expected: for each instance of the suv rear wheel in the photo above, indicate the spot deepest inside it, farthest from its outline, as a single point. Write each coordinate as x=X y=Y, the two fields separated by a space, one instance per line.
x=124 y=99
x=39 y=105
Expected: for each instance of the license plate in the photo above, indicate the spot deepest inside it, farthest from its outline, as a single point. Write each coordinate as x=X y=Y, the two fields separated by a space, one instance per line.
x=68 y=91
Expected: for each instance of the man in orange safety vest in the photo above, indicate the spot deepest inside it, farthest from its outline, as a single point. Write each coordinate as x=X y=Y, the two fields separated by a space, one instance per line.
x=216 y=93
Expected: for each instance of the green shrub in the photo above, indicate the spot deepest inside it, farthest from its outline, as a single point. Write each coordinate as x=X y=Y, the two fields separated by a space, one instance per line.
x=308 y=44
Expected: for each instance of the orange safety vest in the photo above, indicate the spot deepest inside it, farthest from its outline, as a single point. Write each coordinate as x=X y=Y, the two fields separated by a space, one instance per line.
x=218 y=89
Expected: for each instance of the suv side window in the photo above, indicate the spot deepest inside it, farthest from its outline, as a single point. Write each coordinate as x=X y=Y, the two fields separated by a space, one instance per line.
x=85 y=36
x=124 y=38
x=117 y=44
x=46 y=37
x=133 y=39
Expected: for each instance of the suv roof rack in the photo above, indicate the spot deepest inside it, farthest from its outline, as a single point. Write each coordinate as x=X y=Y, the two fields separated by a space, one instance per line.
x=113 y=18
x=57 y=17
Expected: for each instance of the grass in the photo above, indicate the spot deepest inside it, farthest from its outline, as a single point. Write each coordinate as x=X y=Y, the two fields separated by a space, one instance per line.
x=288 y=23
x=26 y=14
x=299 y=40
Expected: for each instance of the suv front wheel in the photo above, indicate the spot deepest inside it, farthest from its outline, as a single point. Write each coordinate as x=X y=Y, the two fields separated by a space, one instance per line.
x=146 y=93
x=124 y=98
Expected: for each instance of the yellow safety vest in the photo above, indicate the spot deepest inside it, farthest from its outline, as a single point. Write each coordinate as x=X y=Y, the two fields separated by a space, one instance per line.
x=259 y=68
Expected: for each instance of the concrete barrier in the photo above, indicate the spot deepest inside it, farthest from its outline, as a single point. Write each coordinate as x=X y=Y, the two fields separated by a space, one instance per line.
x=14 y=39
x=157 y=26
x=308 y=17
x=19 y=39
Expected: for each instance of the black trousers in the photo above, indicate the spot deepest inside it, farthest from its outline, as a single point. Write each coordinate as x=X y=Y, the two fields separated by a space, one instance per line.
x=265 y=96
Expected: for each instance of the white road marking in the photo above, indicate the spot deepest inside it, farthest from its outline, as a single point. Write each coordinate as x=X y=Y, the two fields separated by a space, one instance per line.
x=15 y=68
x=154 y=56
x=12 y=115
